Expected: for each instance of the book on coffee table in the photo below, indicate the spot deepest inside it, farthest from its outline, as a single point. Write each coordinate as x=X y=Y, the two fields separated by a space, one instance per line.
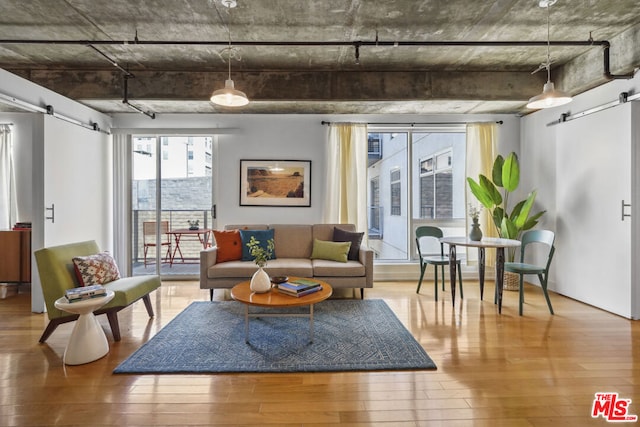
x=299 y=285
x=301 y=293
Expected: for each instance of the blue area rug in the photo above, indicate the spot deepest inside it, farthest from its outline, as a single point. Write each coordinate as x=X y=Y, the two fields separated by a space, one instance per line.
x=350 y=335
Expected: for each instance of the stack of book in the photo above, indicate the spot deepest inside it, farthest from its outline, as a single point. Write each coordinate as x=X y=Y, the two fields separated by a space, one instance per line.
x=85 y=292
x=299 y=287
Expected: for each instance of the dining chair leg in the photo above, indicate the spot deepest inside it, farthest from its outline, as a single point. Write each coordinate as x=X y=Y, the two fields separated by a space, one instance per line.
x=423 y=267
x=435 y=281
x=521 y=296
x=460 y=280
x=443 y=276
x=543 y=283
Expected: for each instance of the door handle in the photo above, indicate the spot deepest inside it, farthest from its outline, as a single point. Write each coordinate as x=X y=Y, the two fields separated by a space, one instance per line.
x=624 y=206
x=53 y=213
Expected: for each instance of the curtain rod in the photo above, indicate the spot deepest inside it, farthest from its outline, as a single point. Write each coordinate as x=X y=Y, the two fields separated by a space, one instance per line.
x=412 y=124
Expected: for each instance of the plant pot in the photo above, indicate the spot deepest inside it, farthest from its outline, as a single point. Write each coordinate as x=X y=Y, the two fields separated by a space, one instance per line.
x=260 y=282
x=511 y=281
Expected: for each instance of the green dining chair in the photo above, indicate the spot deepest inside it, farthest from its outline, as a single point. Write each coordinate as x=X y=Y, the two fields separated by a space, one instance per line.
x=544 y=237
x=423 y=235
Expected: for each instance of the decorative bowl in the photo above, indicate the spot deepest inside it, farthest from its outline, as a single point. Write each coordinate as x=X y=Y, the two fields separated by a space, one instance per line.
x=279 y=279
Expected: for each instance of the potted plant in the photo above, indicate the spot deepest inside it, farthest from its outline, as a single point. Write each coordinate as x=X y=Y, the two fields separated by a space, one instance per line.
x=260 y=281
x=494 y=195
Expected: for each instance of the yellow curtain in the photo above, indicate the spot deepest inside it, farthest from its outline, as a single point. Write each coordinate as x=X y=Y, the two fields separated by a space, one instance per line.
x=481 y=151
x=346 y=185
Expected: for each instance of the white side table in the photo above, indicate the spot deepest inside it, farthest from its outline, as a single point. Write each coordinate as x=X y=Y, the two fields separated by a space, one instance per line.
x=88 y=341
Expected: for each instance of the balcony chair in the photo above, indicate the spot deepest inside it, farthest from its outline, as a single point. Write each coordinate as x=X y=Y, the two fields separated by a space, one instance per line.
x=427 y=236
x=149 y=238
x=545 y=237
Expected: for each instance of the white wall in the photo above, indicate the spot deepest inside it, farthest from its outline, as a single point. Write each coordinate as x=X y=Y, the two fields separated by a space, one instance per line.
x=298 y=137
x=548 y=153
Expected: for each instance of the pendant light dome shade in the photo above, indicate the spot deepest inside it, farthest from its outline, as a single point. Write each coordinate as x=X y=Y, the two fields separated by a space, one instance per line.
x=550 y=97
x=229 y=96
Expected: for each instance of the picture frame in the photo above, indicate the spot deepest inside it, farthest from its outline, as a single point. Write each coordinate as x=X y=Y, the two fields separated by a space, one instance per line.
x=275 y=183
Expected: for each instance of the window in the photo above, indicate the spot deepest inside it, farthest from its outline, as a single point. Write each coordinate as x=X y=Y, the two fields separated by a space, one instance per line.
x=436 y=186
x=396 y=192
x=416 y=177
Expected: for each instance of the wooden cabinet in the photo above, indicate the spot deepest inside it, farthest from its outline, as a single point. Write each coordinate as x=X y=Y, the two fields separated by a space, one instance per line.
x=15 y=256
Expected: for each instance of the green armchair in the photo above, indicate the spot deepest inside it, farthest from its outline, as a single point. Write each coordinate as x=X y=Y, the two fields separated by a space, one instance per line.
x=56 y=270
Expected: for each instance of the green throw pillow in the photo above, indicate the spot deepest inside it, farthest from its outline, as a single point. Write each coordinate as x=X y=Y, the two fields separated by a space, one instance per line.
x=332 y=251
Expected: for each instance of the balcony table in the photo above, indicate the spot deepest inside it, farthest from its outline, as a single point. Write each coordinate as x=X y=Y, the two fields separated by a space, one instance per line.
x=202 y=234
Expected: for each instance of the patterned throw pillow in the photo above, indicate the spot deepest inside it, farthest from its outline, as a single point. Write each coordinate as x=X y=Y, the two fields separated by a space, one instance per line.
x=229 y=245
x=96 y=269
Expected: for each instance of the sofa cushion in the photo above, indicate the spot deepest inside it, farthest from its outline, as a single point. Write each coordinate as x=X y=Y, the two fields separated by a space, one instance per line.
x=229 y=245
x=332 y=251
x=293 y=241
x=96 y=269
x=263 y=236
x=243 y=270
x=240 y=269
x=300 y=267
x=340 y=235
x=325 y=268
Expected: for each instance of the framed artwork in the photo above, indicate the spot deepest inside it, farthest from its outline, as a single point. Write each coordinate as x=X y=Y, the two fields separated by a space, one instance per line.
x=275 y=183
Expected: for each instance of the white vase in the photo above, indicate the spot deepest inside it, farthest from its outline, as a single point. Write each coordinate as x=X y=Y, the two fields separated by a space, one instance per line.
x=260 y=282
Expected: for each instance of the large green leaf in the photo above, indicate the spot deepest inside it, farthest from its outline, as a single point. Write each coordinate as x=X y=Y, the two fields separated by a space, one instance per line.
x=508 y=230
x=498 y=215
x=491 y=190
x=524 y=211
x=532 y=221
x=496 y=171
x=480 y=193
x=511 y=173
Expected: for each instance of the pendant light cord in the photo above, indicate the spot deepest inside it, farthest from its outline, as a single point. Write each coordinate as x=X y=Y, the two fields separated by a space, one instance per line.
x=548 y=44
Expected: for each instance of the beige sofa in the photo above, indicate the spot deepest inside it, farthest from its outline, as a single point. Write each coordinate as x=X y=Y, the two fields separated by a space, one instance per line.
x=293 y=247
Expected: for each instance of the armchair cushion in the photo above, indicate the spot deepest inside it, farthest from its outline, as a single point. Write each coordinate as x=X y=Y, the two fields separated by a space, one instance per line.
x=95 y=269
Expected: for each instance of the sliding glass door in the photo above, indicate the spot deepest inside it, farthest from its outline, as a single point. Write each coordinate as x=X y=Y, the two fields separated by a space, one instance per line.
x=172 y=199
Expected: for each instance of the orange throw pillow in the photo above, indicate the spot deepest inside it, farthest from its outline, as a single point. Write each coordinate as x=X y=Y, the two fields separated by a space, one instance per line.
x=229 y=245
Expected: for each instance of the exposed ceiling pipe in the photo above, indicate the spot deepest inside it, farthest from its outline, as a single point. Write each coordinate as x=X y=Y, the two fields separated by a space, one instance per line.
x=356 y=44
x=125 y=99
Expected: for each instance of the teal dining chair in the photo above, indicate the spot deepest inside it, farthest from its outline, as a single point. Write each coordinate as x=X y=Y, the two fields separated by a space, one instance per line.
x=544 y=237
x=428 y=234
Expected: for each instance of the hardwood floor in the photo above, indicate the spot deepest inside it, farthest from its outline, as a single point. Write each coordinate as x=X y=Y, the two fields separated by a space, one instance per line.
x=493 y=370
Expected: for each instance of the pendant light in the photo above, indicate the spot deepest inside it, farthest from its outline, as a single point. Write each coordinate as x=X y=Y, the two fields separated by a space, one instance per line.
x=229 y=96
x=550 y=96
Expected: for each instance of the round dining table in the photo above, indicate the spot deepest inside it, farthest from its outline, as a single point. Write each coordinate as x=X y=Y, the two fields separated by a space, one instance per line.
x=486 y=242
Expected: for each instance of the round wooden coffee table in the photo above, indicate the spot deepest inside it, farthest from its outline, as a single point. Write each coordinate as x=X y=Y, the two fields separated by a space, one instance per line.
x=274 y=299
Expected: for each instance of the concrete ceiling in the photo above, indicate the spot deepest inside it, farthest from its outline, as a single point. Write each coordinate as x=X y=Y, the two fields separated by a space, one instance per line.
x=179 y=57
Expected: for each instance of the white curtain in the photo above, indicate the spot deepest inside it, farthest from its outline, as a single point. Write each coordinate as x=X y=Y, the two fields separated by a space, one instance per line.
x=8 y=201
x=122 y=201
x=481 y=152
x=346 y=186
